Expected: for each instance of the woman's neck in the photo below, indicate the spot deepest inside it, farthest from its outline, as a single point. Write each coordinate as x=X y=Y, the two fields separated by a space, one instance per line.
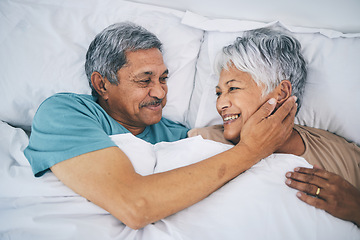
x=293 y=145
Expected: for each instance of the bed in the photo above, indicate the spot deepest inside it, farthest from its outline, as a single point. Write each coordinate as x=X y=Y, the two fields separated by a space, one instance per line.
x=42 y=52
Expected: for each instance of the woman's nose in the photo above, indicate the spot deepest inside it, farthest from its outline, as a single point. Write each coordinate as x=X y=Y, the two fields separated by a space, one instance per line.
x=222 y=103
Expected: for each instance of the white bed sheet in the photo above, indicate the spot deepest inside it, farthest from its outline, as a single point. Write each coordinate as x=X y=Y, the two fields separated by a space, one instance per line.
x=255 y=205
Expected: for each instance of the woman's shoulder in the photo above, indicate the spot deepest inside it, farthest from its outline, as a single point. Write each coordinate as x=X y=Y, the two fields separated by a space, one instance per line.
x=215 y=133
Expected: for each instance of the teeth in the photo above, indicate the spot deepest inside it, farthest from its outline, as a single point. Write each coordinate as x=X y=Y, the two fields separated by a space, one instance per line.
x=231 y=117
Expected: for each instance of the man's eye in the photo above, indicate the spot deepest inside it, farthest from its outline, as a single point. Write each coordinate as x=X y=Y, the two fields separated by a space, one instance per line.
x=218 y=94
x=163 y=79
x=144 y=81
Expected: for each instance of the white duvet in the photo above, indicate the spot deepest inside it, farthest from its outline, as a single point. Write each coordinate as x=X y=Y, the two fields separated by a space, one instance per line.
x=255 y=205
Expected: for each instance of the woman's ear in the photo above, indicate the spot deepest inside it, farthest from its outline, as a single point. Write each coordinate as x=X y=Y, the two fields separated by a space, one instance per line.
x=99 y=84
x=283 y=91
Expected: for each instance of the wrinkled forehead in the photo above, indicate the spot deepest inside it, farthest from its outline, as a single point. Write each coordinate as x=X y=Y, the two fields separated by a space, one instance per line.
x=148 y=61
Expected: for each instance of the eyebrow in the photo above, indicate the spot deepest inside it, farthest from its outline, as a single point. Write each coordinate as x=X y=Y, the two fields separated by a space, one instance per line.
x=149 y=73
x=230 y=81
x=165 y=72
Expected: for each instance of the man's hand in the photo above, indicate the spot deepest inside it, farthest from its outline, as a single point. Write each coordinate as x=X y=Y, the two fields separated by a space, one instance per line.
x=265 y=132
x=326 y=191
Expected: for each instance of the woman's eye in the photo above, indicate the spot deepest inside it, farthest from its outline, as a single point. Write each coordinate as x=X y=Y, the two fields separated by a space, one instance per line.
x=233 y=88
x=218 y=94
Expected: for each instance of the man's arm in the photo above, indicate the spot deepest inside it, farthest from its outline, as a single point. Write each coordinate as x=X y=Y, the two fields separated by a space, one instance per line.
x=107 y=178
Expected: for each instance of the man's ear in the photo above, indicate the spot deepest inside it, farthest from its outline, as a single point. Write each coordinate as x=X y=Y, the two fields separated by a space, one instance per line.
x=99 y=84
x=283 y=91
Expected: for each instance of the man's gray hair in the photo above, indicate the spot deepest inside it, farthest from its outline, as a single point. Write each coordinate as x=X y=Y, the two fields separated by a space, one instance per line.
x=269 y=56
x=107 y=52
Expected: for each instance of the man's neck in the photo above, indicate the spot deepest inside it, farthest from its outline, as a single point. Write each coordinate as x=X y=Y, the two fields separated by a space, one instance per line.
x=133 y=129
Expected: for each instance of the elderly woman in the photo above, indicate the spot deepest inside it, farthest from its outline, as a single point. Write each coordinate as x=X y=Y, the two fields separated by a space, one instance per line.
x=265 y=64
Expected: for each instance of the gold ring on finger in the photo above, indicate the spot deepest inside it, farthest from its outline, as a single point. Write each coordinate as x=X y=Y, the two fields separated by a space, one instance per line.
x=317 y=192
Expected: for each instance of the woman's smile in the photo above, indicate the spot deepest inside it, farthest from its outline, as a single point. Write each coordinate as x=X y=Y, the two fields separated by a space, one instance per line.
x=230 y=118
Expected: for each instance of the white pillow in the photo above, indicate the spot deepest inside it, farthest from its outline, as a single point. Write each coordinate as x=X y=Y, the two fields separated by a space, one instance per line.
x=43 y=47
x=332 y=91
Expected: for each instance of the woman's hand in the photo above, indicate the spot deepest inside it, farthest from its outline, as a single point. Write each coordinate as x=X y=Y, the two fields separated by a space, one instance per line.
x=265 y=131
x=327 y=191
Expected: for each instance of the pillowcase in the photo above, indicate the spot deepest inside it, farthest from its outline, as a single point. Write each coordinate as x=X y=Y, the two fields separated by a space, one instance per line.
x=331 y=96
x=44 y=43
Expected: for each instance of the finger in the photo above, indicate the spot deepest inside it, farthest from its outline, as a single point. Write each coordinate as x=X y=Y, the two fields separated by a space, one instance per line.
x=286 y=111
x=314 y=171
x=305 y=187
x=317 y=166
x=264 y=111
x=313 y=201
x=307 y=178
x=288 y=122
x=289 y=119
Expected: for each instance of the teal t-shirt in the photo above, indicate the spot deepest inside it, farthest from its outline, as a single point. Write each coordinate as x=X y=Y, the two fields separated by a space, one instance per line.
x=67 y=125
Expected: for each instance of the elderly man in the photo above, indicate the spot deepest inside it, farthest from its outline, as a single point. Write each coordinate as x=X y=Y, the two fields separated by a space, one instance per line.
x=125 y=68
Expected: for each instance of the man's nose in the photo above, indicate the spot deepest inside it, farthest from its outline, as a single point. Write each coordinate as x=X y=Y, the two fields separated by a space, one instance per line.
x=158 y=90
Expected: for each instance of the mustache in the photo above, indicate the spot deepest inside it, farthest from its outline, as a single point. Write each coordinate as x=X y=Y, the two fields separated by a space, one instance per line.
x=153 y=102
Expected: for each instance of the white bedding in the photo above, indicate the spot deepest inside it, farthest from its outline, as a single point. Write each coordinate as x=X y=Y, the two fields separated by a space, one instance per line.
x=255 y=205
x=42 y=50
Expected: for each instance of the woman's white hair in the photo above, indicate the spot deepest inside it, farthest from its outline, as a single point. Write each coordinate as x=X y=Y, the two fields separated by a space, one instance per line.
x=269 y=56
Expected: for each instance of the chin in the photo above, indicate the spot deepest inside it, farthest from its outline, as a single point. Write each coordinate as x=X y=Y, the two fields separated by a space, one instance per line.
x=154 y=119
x=234 y=138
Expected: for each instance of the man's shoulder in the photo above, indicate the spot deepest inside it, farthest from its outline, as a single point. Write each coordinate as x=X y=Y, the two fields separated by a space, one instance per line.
x=65 y=107
x=67 y=97
x=66 y=102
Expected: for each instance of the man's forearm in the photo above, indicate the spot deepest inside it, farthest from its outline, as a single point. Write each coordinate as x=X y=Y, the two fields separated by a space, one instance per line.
x=166 y=193
x=108 y=180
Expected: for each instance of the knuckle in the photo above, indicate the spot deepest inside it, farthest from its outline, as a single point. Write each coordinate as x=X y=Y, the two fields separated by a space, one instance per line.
x=296 y=185
x=309 y=188
x=318 y=203
x=266 y=108
x=308 y=178
x=334 y=188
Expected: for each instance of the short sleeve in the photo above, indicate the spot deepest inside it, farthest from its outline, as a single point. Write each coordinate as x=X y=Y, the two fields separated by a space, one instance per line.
x=66 y=126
